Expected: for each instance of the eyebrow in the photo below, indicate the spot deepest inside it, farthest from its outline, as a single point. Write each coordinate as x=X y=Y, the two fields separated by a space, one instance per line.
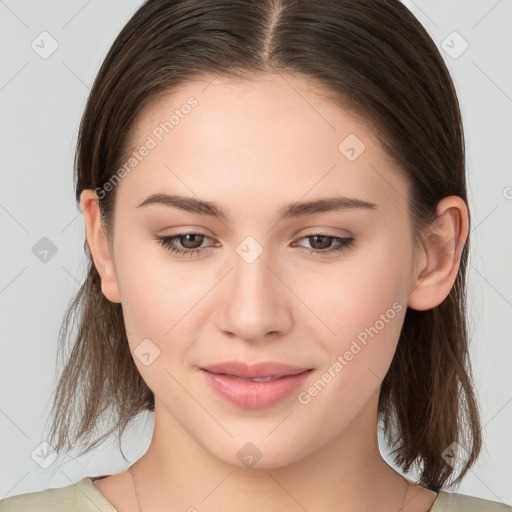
x=296 y=209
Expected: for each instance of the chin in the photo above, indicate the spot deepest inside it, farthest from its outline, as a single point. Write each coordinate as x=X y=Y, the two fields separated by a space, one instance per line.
x=260 y=454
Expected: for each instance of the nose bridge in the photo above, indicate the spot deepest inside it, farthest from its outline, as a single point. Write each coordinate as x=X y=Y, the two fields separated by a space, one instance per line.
x=251 y=275
x=252 y=303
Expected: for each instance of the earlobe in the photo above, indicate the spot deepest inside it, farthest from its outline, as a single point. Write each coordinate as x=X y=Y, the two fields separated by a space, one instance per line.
x=98 y=245
x=437 y=264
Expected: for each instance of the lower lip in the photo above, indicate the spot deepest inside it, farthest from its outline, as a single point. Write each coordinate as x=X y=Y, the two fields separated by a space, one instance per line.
x=254 y=395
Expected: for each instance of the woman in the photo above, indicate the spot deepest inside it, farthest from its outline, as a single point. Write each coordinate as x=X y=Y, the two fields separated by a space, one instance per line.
x=275 y=204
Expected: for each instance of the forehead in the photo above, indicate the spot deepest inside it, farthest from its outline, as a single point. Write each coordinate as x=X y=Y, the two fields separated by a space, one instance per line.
x=268 y=101
x=256 y=136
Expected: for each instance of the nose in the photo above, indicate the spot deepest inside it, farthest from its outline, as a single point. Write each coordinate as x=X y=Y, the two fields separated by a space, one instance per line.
x=256 y=303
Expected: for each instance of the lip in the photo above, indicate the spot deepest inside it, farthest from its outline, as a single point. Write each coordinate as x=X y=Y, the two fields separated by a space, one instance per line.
x=224 y=379
x=263 y=369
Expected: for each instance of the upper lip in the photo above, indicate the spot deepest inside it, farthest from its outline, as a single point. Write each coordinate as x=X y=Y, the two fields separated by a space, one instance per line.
x=256 y=370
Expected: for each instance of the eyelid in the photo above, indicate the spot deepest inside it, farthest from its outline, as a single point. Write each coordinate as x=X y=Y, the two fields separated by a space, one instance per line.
x=325 y=231
x=340 y=243
x=308 y=232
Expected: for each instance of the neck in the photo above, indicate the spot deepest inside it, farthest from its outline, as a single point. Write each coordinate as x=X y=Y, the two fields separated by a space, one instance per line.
x=346 y=474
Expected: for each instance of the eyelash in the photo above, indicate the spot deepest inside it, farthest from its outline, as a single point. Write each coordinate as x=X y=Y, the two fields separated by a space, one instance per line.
x=167 y=243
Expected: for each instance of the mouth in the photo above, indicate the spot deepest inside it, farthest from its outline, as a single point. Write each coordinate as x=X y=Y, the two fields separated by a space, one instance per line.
x=258 y=372
x=255 y=386
x=256 y=379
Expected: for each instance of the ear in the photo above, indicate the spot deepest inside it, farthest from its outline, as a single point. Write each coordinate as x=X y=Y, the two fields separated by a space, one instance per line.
x=438 y=260
x=98 y=245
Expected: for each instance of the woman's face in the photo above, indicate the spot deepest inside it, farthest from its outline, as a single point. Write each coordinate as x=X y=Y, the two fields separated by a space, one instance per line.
x=255 y=290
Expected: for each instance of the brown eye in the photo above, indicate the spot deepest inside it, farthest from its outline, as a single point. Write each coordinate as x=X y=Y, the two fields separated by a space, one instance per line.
x=188 y=243
x=190 y=240
x=323 y=243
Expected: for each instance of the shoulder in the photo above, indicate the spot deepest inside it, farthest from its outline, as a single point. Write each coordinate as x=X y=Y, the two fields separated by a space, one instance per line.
x=454 y=502
x=78 y=497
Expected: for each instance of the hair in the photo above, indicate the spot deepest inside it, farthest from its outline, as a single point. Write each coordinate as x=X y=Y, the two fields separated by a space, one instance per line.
x=378 y=61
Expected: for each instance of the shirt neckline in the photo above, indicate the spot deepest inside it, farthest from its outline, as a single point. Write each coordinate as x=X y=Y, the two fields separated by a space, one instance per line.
x=88 y=483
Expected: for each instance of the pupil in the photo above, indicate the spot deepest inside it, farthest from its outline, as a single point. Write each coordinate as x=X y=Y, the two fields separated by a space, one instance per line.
x=324 y=245
x=192 y=241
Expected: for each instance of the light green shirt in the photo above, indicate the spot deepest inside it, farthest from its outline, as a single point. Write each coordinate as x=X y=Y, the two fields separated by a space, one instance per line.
x=84 y=497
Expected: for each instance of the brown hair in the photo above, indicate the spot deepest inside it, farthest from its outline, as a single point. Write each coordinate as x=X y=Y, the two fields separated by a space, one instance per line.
x=378 y=61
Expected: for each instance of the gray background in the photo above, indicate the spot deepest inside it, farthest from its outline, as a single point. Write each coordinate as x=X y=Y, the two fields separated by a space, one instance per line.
x=41 y=102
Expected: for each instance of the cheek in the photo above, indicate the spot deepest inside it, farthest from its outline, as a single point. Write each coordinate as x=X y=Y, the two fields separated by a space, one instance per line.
x=157 y=296
x=350 y=295
x=158 y=301
x=359 y=307
x=364 y=306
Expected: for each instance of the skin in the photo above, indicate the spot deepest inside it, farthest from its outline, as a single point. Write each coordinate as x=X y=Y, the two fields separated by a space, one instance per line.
x=252 y=146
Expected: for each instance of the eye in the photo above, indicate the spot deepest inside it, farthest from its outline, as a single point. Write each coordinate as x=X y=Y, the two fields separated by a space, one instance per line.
x=187 y=239
x=322 y=243
x=191 y=243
